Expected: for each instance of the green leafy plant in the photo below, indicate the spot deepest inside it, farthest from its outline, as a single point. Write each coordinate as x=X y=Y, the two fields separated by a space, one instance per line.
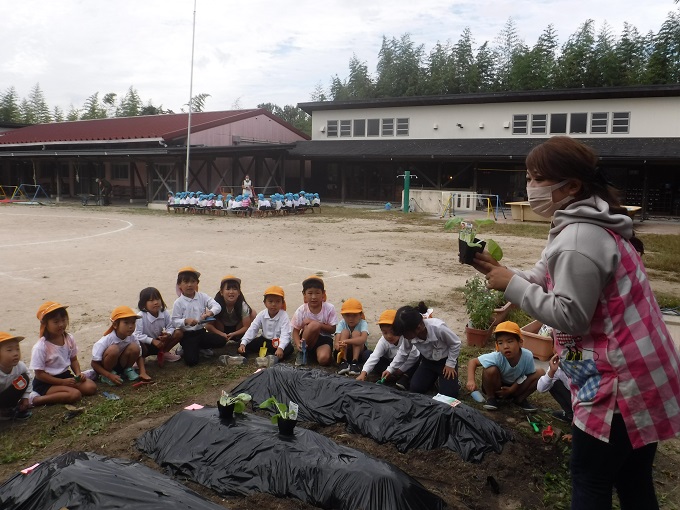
x=282 y=411
x=239 y=401
x=480 y=302
x=468 y=235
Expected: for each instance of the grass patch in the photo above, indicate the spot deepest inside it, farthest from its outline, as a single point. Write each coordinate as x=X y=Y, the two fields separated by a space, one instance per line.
x=360 y=275
x=667 y=300
x=662 y=253
x=176 y=387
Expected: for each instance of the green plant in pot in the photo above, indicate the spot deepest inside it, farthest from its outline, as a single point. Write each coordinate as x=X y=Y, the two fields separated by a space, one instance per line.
x=228 y=405
x=480 y=304
x=285 y=416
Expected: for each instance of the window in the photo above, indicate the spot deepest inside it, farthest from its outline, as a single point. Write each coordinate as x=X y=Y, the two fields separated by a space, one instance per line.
x=539 y=124
x=579 y=123
x=345 y=128
x=558 y=123
x=373 y=127
x=332 y=128
x=598 y=122
x=120 y=171
x=519 y=124
x=402 y=127
x=620 y=122
x=360 y=127
x=388 y=127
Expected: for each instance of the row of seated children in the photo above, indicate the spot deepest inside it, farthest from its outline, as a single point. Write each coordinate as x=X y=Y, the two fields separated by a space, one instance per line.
x=196 y=202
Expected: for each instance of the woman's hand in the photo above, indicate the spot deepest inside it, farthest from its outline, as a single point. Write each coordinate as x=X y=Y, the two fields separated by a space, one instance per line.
x=497 y=277
x=449 y=373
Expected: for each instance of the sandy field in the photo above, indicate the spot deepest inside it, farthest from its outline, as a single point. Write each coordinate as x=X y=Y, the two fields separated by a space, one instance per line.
x=96 y=258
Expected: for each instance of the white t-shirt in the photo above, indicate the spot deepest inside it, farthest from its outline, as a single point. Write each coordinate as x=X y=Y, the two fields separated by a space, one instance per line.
x=327 y=315
x=150 y=327
x=105 y=342
x=272 y=327
x=14 y=379
x=385 y=349
x=51 y=358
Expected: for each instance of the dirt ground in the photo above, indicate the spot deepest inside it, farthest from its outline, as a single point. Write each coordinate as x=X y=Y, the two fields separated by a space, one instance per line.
x=94 y=259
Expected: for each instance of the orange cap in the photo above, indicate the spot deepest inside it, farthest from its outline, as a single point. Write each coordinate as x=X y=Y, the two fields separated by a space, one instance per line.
x=45 y=308
x=8 y=337
x=508 y=327
x=121 y=312
x=275 y=290
x=189 y=269
x=230 y=278
x=313 y=278
x=352 y=306
x=387 y=317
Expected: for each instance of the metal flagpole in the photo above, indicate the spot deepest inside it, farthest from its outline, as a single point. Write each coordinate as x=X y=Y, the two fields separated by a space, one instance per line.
x=191 y=91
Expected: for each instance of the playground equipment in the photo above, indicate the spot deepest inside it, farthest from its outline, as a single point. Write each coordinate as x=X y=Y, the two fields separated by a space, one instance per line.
x=24 y=194
x=491 y=203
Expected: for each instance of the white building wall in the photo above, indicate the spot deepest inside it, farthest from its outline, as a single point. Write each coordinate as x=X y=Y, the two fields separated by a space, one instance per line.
x=649 y=117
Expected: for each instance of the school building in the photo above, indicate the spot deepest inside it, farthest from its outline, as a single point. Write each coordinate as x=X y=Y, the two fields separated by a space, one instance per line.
x=359 y=150
x=478 y=142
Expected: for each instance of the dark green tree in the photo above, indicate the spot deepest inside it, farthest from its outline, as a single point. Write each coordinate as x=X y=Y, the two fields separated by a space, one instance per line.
x=605 y=68
x=9 y=106
x=466 y=72
x=291 y=114
x=359 y=83
x=485 y=62
x=130 y=105
x=576 y=60
x=508 y=45
x=58 y=114
x=400 y=70
x=319 y=93
x=630 y=51
x=73 y=114
x=38 y=105
x=664 y=60
x=93 y=108
x=440 y=71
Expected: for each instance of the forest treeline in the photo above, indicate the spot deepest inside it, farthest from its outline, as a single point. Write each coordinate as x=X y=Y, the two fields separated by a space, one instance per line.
x=590 y=57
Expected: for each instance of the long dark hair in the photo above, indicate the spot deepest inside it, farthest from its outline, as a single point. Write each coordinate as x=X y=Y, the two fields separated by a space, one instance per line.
x=239 y=301
x=59 y=312
x=149 y=294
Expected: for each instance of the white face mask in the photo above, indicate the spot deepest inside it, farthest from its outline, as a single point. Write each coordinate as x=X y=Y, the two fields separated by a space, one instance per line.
x=541 y=201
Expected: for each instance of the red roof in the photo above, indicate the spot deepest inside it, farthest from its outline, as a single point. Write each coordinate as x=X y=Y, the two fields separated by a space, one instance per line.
x=167 y=127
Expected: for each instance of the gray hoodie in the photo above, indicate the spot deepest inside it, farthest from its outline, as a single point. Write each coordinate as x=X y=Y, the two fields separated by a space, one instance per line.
x=580 y=258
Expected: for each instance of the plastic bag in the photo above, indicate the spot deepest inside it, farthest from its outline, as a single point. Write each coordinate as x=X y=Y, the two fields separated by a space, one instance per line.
x=87 y=481
x=409 y=420
x=247 y=455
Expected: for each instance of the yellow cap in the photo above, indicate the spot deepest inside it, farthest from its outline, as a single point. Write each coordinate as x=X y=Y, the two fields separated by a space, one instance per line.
x=121 y=312
x=230 y=278
x=312 y=278
x=8 y=337
x=189 y=269
x=275 y=290
x=508 y=327
x=352 y=306
x=387 y=317
x=45 y=308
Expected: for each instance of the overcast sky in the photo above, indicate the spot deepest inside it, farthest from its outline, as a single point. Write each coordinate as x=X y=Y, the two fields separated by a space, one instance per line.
x=254 y=51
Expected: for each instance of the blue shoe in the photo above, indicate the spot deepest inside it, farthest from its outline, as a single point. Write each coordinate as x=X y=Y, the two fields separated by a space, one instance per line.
x=106 y=380
x=130 y=374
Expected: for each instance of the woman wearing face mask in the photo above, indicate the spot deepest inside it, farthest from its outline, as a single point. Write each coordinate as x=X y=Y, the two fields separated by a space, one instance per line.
x=591 y=287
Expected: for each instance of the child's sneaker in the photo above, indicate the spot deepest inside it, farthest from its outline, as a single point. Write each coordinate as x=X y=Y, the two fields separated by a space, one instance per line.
x=403 y=383
x=179 y=351
x=171 y=357
x=206 y=353
x=527 y=406
x=343 y=368
x=491 y=404
x=300 y=359
x=354 y=368
x=90 y=374
x=22 y=415
x=130 y=374
x=31 y=398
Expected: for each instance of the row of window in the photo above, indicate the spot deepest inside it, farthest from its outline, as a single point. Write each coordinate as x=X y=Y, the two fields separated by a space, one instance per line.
x=367 y=127
x=556 y=123
x=522 y=124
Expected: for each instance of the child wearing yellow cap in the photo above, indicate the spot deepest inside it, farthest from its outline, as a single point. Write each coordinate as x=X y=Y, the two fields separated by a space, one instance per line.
x=54 y=359
x=15 y=383
x=509 y=372
x=314 y=323
x=190 y=313
x=438 y=346
x=385 y=351
x=351 y=335
x=275 y=325
x=114 y=354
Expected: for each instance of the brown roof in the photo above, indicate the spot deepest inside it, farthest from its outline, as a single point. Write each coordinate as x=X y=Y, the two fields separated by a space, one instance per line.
x=165 y=127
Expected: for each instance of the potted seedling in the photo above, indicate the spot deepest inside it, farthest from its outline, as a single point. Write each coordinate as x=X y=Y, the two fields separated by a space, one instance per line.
x=469 y=244
x=480 y=304
x=285 y=417
x=228 y=405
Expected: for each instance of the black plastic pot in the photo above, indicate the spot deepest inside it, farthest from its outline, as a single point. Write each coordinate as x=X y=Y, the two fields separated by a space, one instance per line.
x=226 y=412
x=466 y=253
x=286 y=427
